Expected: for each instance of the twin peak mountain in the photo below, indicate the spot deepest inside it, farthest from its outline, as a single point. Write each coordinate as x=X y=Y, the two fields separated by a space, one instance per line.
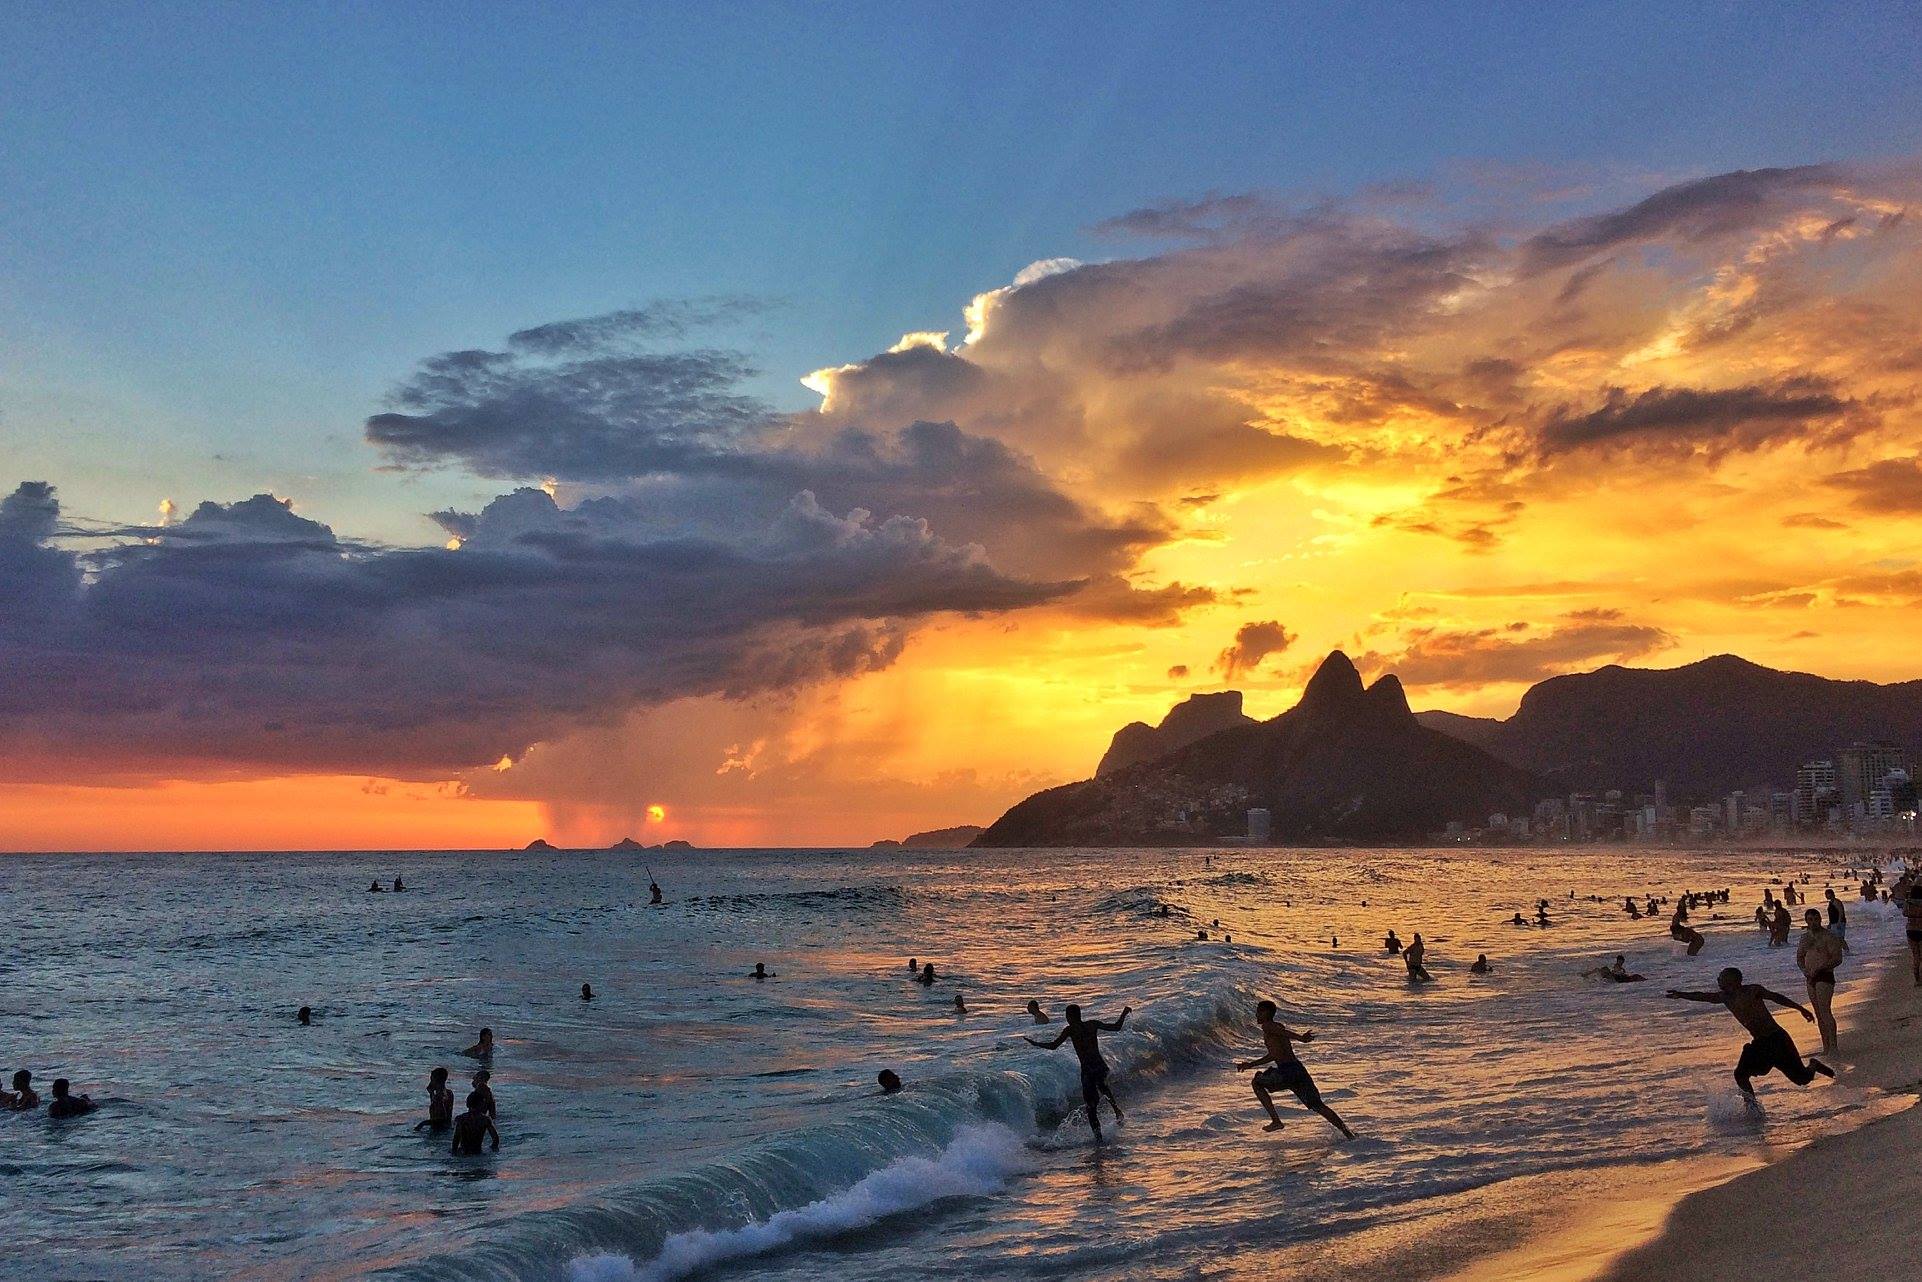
x=1351 y=764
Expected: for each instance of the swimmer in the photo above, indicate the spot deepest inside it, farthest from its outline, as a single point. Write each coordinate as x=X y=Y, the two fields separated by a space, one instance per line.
x=1617 y=973
x=480 y=1082
x=1413 y=955
x=1036 y=1013
x=440 y=1103
x=927 y=974
x=960 y=1007
x=1771 y=1048
x=1085 y=1034
x=890 y=1082
x=1680 y=931
x=761 y=971
x=65 y=1105
x=305 y=1015
x=471 y=1126
x=587 y=992
x=1288 y=1070
x=1519 y=920
x=1480 y=966
x=399 y=885
x=653 y=891
x=374 y=889
x=24 y=1096
x=1391 y=944
x=482 y=1049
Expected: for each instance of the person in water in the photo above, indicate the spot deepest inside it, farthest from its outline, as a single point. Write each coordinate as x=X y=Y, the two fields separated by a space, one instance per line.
x=440 y=1103
x=1681 y=932
x=480 y=1082
x=1391 y=944
x=1818 y=954
x=1838 y=916
x=1480 y=966
x=1412 y=957
x=960 y=1007
x=374 y=889
x=64 y=1104
x=653 y=891
x=1287 y=1072
x=761 y=971
x=482 y=1049
x=1085 y=1034
x=472 y=1126
x=1912 y=928
x=587 y=992
x=890 y=1081
x=399 y=885
x=24 y=1096
x=305 y=1015
x=1617 y=973
x=1518 y=920
x=1770 y=1049
x=927 y=974
x=1036 y=1013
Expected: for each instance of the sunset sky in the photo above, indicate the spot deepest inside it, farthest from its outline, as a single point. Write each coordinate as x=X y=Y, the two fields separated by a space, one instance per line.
x=423 y=429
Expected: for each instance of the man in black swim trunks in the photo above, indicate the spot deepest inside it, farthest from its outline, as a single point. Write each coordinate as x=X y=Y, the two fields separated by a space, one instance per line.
x=471 y=1126
x=1818 y=954
x=1772 y=1049
x=1094 y=1069
x=1288 y=1070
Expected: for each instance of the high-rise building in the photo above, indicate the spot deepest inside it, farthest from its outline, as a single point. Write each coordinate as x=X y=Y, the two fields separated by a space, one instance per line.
x=1258 y=825
x=1814 y=792
x=1862 y=768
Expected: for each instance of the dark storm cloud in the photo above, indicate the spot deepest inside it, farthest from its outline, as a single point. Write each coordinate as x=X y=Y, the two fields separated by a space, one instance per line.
x=1518 y=652
x=249 y=636
x=1254 y=641
x=1686 y=417
x=1887 y=485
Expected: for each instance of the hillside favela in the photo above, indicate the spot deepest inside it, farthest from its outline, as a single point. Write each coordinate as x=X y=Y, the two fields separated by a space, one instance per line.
x=776 y=641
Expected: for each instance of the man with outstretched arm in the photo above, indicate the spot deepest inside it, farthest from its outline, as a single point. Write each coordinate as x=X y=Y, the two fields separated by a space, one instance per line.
x=1084 y=1033
x=1771 y=1048
x=1288 y=1070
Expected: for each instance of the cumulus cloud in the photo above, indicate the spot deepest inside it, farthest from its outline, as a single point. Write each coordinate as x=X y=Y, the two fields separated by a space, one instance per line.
x=1254 y=641
x=1517 y=652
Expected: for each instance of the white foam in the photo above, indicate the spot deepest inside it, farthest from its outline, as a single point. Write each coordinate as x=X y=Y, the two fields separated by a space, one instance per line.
x=978 y=1162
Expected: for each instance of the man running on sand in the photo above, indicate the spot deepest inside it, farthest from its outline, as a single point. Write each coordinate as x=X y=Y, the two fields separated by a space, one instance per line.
x=1772 y=1049
x=1087 y=1047
x=1288 y=1070
x=1819 y=953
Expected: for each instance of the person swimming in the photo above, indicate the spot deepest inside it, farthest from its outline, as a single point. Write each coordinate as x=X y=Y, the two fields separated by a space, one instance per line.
x=761 y=971
x=1036 y=1013
x=440 y=1103
x=1480 y=966
x=913 y=965
x=654 y=891
x=1086 y=1036
x=960 y=1007
x=1617 y=973
x=24 y=1096
x=927 y=974
x=484 y=1048
x=1519 y=920
x=1770 y=1049
x=475 y=1124
x=889 y=1080
x=374 y=889
x=305 y=1015
x=399 y=885
x=1412 y=957
x=64 y=1104
x=1288 y=1071
x=480 y=1081
x=1391 y=944
x=587 y=992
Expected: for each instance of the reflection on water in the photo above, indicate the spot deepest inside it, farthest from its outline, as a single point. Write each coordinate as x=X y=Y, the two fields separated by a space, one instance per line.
x=688 y=1096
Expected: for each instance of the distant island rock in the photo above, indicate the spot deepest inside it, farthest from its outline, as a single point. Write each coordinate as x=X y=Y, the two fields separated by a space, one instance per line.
x=886 y=843
x=1347 y=764
x=1704 y=729
x=677 y=844
x=1190 y=721
x=539 y=843
x=954 y=838
x=626 y=844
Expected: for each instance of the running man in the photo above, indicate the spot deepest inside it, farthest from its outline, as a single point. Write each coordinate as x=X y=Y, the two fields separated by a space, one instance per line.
x=1819 y=953
x=1288 y=1070
x=1085 y=1034
x=1771 y=1048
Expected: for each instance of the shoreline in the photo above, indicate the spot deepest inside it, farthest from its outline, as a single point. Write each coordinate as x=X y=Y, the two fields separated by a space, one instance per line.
x=1731 y=1219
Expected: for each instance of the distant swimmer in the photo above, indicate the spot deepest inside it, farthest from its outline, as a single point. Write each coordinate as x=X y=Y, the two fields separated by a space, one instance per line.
x=761 y=971
x=64 y=1104
x=913 y=965
x=1036 y=1013
x=1818 y=954
x=305 y=1015
x=960 y=1007
x=399 y=885
x=1480 y=966
x=440 y=1103
x=587 y=992
x=484 y=1048
x=1541 y=917
x=1085 y=1034
x=1617 y=973
x=24 y=1096
x=1680 y=931
x=374 y=889
x=1413 y=955
x=1772 y=1049
x=471 y=1127
x=654 y=892
x=1201 y=934
x=927 y=974
x=480 y=1082
x=889 y=1080
x=1518 y=920
x=1391 y=944
x=1287 y=1072
x=1628 y=906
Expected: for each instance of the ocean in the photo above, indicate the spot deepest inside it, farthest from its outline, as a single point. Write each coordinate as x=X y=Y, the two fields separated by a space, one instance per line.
x=692 y=1121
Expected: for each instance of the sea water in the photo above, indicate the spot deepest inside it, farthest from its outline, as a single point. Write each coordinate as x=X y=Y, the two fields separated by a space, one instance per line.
x=693 y=1121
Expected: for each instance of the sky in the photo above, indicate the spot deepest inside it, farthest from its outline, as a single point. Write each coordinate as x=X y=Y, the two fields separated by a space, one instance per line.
x=448 y=425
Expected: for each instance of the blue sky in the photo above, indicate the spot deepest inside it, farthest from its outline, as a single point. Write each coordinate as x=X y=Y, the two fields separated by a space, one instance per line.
x=225 y=231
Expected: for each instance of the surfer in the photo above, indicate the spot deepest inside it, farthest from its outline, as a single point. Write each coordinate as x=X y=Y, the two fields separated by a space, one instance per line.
x=1818 y=954
x=471 y=1126
x=1770 y=1049
x=1085 y=1034
x=440 y=1103
x=654 y=892
x=1287 y=1071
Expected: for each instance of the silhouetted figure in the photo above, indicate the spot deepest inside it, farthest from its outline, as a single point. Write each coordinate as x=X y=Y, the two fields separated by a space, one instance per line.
x=482 y=1049
x=305 y=1015
x=1819 y=953
x=24 y=1096
x=440 y=1103
x=399 y=885
x=1770 y=1049
x=960 y=1007
x=1036 y=1013
x=927 y=974
x=761 y=971
x=1085 y=1034
x=890 y=1083
x=471 y=1127
x=1412 y=958
x=1288 y=1072
x=480 y=1082
x=587 y=992
x=67 y=1105
x=1480 y=966
x=654 y=892
x=374 y=889
x=1680 y=931
x=1617 y=973
x=1391 y=944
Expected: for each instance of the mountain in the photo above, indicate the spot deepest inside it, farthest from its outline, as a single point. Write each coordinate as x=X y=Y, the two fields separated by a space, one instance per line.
x=1704 y=729
x=626 y=844
x=943 y=838
x=539 y=843
x=1346 y=764
x=1193 y=719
